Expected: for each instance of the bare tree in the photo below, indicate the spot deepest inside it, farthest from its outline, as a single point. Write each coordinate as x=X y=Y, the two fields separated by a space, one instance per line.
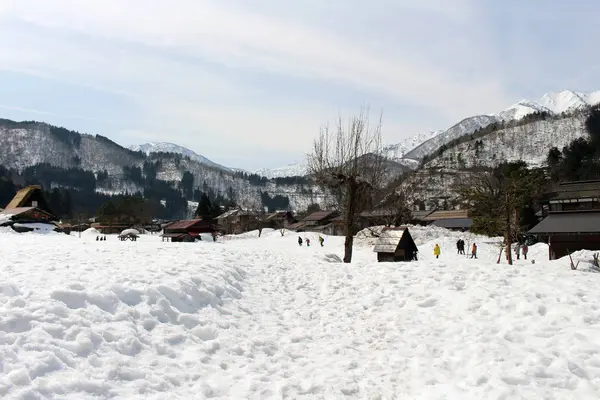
x=348 y=162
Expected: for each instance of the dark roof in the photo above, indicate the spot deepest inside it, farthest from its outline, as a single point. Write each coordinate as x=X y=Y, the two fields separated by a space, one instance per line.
x=573 y=190
x=279 y=214
x=378 y=213
x=569 y=222
x=319 y=215
x=447 y=214
x=17 y=210
x=453 y=223
x=183 y=224
x=297 y=225
x=420 y=214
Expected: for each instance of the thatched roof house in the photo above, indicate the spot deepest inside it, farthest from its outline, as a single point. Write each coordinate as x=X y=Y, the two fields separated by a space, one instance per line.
x=395 y=244
x=30 y=196
x=28 y=205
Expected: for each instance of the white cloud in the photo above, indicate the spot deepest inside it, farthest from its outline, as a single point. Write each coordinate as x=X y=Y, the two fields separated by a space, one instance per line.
x=154 y=52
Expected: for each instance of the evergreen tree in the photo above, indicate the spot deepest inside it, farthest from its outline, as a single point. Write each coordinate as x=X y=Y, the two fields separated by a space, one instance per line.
x=205 y=209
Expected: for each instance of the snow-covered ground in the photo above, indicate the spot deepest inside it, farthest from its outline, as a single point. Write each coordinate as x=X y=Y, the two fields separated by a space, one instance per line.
x=260 y=318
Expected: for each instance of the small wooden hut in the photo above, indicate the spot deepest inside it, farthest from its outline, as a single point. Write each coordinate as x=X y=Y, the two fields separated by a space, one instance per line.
x=396 y=244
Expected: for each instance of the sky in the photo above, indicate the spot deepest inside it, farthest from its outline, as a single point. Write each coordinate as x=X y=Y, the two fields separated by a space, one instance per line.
x=248 y=83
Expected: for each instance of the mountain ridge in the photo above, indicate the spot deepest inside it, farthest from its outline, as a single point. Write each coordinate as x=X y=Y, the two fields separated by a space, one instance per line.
x=411 y=151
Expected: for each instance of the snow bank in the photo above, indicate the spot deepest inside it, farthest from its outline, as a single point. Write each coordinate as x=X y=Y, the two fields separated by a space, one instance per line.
x=82 y=319
x=266 y=318
x=91 y=231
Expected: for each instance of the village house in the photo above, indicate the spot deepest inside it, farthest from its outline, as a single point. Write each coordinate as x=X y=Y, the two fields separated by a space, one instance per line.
x=186 y=230
x=28 y=205
x=237 y=221
x=456 y=220
x=279 y=220
x=571 y=212
x=326 y=222
x=395 y=244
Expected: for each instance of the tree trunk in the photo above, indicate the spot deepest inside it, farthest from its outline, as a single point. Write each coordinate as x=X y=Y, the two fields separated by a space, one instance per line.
x=349 y=220
x=508 y=232
x=348 y=248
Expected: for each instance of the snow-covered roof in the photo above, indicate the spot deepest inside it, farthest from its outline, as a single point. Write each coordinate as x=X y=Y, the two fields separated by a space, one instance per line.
x=388 y=241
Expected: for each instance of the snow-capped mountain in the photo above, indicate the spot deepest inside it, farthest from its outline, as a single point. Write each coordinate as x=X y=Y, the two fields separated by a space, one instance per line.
x=398 y=151
x=552 y=103
x=412 y=150
x=166 y=147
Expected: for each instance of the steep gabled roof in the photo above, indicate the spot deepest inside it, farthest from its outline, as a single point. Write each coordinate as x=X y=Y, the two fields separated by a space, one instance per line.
x=22 y=195
x=388 y=240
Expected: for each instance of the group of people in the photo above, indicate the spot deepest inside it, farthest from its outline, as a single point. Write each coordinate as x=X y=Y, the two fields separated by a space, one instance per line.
x=100 y=238
x=307 y=240
x=460 y=245
x=521 y=248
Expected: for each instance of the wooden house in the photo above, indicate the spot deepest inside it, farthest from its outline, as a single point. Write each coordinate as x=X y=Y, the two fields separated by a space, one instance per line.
x=30 y=196
x=395 y=244
x=237 y=221
x=571 y=212
x=29 y=205
x=319 y=221
x=457 y=220
x=279 y=220
x=187 y=230
x=28 y=215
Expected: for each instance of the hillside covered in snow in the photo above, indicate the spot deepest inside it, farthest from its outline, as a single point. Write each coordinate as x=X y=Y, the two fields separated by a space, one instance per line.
x=27 y=144
x=165 y=147
x=411 y=151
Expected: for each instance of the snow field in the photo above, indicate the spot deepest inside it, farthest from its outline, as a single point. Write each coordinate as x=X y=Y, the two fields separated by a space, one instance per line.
x=260 y=318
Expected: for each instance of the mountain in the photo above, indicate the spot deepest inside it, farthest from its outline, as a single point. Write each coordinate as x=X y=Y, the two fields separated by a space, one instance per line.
x=528 y=140
x=552 y=103
x=166 y=147
x=28 y=144
x=411 y=151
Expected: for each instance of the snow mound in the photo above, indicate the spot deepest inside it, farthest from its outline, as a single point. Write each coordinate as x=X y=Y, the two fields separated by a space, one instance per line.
x=91 y=231
x=76 y=325
x=129 y=232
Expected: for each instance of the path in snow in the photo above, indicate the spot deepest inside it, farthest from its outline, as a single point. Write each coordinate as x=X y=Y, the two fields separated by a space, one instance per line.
x=263 y=318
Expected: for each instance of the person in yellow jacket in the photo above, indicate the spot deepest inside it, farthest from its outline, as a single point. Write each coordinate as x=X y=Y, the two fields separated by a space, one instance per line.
x=437 y=251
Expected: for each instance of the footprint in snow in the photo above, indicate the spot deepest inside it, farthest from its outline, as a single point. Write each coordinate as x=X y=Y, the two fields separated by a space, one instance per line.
x=427 y=303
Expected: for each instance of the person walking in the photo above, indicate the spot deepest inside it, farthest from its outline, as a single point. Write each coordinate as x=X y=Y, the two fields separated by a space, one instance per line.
x=458 y=246
x=437 y=251
x=525 y=250
x=299 y=241
x=518 y=251
x=307 y=242
x=474 y=251
x=321 y=240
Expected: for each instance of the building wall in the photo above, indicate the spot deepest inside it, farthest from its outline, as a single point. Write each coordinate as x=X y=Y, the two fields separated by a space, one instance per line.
x=563 y=245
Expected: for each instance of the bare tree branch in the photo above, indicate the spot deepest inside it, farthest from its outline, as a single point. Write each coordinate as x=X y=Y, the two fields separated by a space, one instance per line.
x=348 y=163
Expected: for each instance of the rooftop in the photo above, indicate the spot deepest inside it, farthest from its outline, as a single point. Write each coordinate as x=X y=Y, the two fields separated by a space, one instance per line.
x=447 y=214
x=319 y=215
x=388 y=240
x=184 y=224
x=569 y=223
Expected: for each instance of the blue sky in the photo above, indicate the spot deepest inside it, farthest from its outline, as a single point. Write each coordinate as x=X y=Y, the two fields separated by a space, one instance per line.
x=249 y=83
